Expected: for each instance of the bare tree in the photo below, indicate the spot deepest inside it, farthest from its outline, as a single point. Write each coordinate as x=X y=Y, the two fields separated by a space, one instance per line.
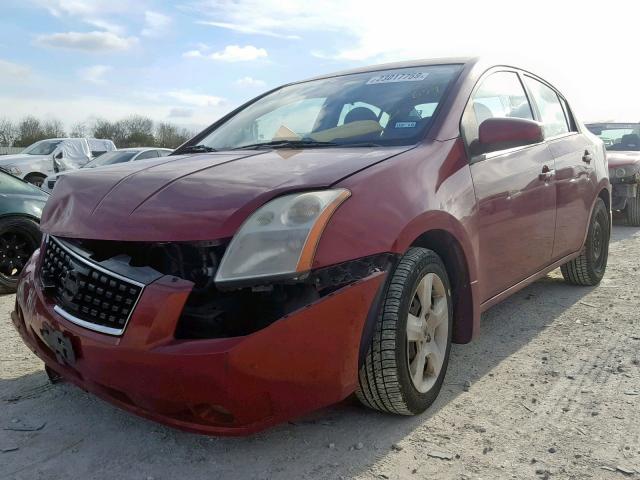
x=79 y=130
x=53 y=128
x=8 y=132
x=139 y=131
x=29 y=131
x=170 y=136
x=114 y=131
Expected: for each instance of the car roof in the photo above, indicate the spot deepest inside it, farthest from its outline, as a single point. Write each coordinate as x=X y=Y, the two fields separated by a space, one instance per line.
x=139 y=149
x=394 y=65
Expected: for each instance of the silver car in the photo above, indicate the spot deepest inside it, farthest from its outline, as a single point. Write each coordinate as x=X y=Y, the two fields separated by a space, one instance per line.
x=111 y=158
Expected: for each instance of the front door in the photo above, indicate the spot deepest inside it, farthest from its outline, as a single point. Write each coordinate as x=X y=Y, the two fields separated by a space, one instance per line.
x=514 y=188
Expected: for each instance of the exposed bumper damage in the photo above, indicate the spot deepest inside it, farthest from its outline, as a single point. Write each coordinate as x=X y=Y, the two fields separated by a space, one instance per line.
x=201 y=375
x=623 y=189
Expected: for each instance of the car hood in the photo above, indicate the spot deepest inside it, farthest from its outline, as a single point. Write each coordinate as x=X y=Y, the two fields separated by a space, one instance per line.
x=21 y=157
x=621 y=159
x=194 y=197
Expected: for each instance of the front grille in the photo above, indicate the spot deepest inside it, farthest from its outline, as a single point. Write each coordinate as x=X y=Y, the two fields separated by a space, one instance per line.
x=86 y=294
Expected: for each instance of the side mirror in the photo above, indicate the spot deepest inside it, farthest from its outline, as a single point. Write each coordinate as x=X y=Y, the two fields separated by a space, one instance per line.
x=503 y=133
x=58 y=156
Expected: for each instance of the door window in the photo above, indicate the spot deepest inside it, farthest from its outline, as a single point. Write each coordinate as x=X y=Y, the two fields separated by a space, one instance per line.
x=500 y=95
x=551 y=112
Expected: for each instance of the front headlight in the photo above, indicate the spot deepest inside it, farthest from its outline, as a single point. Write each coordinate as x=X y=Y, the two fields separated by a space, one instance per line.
x=280 y=238
x=12 y=169
x=620 y=172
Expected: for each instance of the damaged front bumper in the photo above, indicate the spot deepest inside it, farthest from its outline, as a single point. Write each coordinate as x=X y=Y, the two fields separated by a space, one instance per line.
x=225 y=386
x=624 y=189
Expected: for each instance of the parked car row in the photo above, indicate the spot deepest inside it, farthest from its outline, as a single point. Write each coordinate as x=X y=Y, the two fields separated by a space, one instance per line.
x=329 y=237
x=54 y=155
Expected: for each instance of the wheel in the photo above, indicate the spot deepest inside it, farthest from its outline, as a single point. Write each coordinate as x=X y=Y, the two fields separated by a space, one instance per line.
x=19 y=237
x=589 y=267
x=632 y=212
x=36 y=179
x=407 y=359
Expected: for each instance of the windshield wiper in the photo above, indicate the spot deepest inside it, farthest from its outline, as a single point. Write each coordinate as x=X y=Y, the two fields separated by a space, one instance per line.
x=287 y=144
x=197 y=149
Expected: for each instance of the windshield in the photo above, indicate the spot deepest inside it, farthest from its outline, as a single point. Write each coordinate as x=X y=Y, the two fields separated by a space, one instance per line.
x=111 y=158
x=43 y=147
x=389 y=107
x=618 y=136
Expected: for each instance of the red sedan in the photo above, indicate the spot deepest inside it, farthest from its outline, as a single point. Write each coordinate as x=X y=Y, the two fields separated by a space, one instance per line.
x=329 y=237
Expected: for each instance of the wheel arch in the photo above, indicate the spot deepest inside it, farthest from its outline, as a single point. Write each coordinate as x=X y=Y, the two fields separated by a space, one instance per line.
x=451 y=251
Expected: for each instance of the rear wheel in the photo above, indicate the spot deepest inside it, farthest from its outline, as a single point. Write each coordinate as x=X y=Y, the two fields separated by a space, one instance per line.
x=588 y=268
x=632 y=211
x=409 y=352
x=36 y=179
x=19 y=237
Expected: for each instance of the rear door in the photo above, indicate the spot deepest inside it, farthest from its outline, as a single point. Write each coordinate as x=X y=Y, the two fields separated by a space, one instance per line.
x=575 y=176
x=515 y=197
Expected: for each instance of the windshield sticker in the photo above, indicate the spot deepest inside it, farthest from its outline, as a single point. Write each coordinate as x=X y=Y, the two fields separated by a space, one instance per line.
x=398 y=77
x=405 y=124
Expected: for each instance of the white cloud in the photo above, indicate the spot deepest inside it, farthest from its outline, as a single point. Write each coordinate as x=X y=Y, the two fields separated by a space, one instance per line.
x=249 y=82
x=87 y=41
x=196 y=99
x=95 y=74
x=155 y=23
x=192 y=54
x=248 y=29
x=13 y=70
x=231 y=53
x=106 y=25
x=178 y=112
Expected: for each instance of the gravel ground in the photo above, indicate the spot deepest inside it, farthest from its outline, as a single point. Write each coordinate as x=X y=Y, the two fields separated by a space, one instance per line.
x=550 y=389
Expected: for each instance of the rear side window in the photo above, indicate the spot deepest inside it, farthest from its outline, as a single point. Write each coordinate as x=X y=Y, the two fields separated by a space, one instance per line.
x=551 y=111
x=499 y=95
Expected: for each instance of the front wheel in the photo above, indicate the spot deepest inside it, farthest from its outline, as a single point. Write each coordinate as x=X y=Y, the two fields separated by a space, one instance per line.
x=408 y=355
x=632 y=212
x=19 y=237
x=589 y=267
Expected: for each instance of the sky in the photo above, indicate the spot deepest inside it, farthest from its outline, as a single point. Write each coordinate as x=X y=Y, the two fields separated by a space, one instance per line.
x=191 y=61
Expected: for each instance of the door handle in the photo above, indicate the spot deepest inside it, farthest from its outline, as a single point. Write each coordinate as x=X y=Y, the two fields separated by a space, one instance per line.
x=586 y=158
x=547 y=173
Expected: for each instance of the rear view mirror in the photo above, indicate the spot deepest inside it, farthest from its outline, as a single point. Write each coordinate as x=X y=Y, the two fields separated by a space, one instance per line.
x=503 y=133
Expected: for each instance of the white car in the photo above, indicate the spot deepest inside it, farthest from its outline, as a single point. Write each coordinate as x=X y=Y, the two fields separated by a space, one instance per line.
x=52 y=156
x=111 y=158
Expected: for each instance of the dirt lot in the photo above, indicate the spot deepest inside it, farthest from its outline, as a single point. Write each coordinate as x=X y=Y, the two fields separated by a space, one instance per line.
x=553 y=392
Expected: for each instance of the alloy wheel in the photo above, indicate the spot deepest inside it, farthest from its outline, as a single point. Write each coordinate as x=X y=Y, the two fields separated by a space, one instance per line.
x=427 y=332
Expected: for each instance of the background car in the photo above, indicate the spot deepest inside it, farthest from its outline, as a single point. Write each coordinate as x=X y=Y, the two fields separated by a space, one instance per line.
x=622 y=141
x=53 y=155
x=21 y=205
x=111 y=158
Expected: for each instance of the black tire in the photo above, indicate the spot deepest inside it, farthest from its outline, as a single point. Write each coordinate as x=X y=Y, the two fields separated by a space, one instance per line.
x=632 y=211
x=36 y=179
x=19 y=237
x=589 y=268
x=385 y=382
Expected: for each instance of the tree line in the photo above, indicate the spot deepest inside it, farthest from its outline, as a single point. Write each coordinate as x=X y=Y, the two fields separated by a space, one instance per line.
x=134 y=131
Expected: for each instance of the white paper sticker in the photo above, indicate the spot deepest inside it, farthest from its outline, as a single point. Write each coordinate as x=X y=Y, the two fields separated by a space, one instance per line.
x=405 y=124
x=398 y=77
